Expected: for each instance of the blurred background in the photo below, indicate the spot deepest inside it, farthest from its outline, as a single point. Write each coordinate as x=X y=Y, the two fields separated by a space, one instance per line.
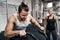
x=37 y=8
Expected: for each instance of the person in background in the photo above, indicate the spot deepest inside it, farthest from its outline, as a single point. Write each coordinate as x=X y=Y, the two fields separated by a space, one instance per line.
x=51 y=25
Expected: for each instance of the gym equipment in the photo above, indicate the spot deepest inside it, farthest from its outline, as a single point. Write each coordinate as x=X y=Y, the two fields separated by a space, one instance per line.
x=34 y=30
x=29 y=36
x=33 y=33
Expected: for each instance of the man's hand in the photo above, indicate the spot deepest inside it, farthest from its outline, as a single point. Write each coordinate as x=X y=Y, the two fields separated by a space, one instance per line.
x=22 y=33
x=42 y=28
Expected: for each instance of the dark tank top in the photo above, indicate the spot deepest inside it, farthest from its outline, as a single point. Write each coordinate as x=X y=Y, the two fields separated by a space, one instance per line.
x=51 y=24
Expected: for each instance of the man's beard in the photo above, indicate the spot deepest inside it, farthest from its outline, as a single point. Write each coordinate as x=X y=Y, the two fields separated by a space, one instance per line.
x=23 y=19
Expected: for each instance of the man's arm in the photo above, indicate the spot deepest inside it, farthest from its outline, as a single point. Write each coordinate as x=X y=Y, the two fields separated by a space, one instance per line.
x=9 y=28
x=36 y=23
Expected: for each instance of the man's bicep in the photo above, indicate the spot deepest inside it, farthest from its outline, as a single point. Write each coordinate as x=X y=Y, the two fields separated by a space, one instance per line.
x=32 y=20
x=9 y=25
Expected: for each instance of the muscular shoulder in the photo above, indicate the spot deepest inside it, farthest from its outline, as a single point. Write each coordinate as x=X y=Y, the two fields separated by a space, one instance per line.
x=29 y=15
x=11 y=19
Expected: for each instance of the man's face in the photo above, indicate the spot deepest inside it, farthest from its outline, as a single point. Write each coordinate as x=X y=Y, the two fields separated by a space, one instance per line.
x=50 y=11
x=23 y=15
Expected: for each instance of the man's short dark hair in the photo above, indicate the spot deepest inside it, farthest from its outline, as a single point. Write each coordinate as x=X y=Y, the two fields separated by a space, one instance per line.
x=23 y=6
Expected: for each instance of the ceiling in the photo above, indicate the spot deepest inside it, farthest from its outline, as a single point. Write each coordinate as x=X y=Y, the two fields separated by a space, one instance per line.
x=50 y=0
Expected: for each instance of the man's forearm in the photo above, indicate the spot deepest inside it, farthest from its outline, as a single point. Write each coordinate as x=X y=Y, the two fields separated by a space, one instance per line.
x=11 y=33
x=38 y=25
